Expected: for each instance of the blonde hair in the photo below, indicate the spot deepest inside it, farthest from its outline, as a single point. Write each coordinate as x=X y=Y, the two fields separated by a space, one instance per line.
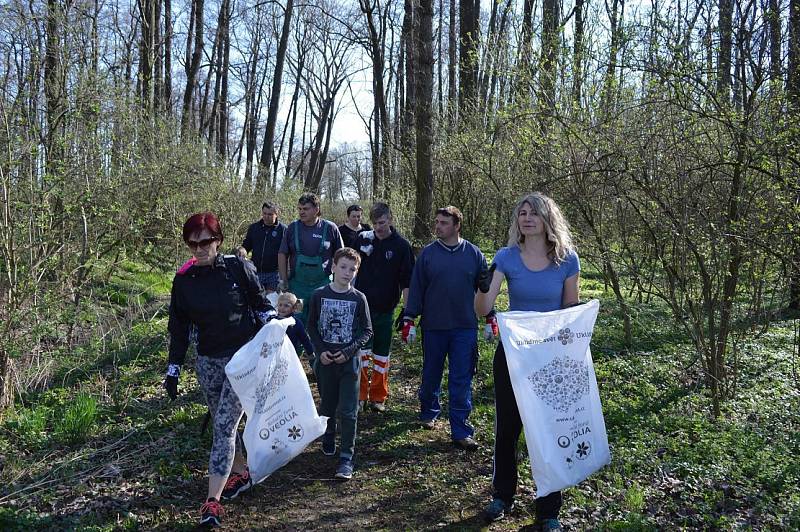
x=297 y=304
x=555 y=225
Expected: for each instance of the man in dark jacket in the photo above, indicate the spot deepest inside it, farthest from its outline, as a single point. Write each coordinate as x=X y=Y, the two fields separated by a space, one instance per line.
x=443 y=291
x=352 y=227
x=263 y=239
x=386 y=265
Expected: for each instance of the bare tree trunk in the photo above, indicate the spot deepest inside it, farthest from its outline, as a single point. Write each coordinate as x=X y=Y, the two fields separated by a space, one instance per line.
x=222 y=112
x=469 y=37
x=146 y=50
x=793 y=93
x=193 y=66
x=549 y=62
x=524 y=72
x=274 y=102
x=295 y=96
x=440 y=59
x=609 y=83
x=725 y=48
x=208 y=122
x=577 y=54
x=54 y=90
x=380 y=166
x=452 y=62
x=407 y=120
x=168 y=56
x=158 y=69
x=424 y=119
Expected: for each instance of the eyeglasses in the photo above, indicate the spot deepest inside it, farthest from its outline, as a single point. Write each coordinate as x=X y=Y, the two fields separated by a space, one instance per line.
x=195 y=244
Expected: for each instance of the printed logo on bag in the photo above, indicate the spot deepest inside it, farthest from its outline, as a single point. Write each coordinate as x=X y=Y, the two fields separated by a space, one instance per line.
x=561 y=383
x=295 y=432
x=565 y=336
x=270 y=349
x=563 y=442
x=584 y=450
x=280 y=421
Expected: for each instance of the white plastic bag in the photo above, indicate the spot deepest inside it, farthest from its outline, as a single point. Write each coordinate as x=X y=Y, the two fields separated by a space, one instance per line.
x=553 y=378
x=282 y=419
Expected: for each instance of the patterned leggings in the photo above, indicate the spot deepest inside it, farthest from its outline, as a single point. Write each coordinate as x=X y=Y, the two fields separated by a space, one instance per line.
x=226 y=411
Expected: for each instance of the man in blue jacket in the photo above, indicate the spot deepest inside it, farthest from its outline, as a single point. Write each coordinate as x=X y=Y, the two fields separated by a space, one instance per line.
x=263 y=239
x=443 y=291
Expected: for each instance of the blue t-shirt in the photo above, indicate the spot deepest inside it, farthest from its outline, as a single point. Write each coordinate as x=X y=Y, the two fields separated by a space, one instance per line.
x=542 y=290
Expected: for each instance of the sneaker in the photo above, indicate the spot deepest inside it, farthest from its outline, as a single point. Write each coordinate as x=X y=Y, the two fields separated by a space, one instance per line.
x=547 y=525
x=497 y=510
x=380 y=407
x=329 y=444
x=237 y=483
x=345 y=469
x=429 y=424
x=211 y=511
x=467 y=444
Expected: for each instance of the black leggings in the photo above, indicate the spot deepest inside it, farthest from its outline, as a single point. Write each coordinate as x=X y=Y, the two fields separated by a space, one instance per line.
x=508 y=426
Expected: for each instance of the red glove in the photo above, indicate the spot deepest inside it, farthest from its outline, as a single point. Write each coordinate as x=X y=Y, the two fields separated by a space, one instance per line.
x=491 y=330
x=408 y=333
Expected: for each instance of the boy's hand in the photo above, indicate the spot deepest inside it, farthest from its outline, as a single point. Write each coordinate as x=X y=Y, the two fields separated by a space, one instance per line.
x=338 y=357
x=326 y=358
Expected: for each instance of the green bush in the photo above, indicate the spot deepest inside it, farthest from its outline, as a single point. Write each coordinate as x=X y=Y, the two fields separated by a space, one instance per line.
x=28 y=425
x=78 y=420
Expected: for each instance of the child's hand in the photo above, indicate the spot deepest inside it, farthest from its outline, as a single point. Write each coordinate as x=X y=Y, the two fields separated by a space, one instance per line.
x=339 y=357
x=326 y=358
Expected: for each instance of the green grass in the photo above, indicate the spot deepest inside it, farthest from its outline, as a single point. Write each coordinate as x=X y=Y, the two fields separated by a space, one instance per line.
x=103 y=449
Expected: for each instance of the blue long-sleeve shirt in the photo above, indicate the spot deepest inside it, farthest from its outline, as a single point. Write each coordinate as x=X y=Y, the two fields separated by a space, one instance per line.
x=299 y=337
x=443 y=286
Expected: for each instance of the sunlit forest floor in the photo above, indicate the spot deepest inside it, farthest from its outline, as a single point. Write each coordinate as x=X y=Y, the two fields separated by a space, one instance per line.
x=104 y=449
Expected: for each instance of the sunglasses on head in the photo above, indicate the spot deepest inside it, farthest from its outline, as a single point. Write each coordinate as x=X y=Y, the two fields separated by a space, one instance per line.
x=194 y=244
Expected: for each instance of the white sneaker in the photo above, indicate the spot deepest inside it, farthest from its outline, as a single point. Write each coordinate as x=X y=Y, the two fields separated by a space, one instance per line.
x=380 y=407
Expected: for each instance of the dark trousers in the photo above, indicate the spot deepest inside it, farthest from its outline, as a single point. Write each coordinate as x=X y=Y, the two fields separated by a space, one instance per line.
x=508 y=426
x=338 y=390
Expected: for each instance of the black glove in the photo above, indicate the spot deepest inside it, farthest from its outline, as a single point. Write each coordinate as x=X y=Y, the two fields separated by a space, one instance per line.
x=485 y=278
x=171 y=381
x=401 y=319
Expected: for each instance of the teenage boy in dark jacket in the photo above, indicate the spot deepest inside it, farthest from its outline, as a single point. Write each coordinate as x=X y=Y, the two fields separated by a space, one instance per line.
x=385 y=273
x=263 y=239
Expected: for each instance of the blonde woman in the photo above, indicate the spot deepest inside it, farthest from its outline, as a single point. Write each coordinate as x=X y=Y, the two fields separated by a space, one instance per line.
x=542 y=271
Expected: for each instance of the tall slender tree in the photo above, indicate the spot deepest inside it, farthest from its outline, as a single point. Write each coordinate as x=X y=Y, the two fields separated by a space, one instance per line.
x=268 y=147
x=424 y=119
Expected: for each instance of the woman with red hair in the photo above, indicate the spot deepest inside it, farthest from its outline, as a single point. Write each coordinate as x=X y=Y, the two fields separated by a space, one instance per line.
x=220 y=297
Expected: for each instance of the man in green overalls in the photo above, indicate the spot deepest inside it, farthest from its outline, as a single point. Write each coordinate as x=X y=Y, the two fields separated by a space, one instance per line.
x=306 y=250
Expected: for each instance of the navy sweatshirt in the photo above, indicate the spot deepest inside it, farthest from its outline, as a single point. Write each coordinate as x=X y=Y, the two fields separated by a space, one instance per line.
x=443 y=286
x=264 y=241
x=299 y=338
x=386 y=267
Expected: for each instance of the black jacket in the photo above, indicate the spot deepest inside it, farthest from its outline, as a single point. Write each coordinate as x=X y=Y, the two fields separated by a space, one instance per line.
x=386 y=267
x=349 y=236
x=264 y=241
x=213 y=299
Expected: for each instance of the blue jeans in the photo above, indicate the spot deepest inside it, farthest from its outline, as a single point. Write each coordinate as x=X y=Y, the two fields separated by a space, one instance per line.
x=460 y=347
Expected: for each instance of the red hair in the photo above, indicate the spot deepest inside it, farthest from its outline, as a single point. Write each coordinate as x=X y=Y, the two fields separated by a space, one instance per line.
x=202 y=220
